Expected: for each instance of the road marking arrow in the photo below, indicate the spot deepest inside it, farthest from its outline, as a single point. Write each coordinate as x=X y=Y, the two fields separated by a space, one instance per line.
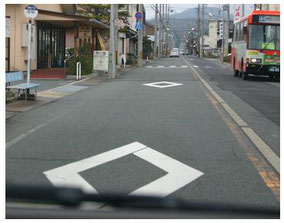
x=178 y=175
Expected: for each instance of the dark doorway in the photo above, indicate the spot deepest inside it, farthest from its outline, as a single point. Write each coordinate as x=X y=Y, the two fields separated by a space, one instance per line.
x=50 y=45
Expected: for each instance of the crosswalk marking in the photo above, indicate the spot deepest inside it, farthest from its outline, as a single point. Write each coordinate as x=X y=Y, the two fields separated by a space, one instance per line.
x=195 y=66
x=171 y=66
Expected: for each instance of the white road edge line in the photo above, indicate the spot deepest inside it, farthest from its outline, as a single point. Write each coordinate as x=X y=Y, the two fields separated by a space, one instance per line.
x=263 y=148
x=266 y=151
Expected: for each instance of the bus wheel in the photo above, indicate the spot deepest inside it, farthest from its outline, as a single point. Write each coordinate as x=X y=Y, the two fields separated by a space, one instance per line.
x=236 y=73
x=245 y=75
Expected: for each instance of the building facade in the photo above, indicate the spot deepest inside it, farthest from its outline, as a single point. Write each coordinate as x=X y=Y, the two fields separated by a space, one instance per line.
x=55 y=29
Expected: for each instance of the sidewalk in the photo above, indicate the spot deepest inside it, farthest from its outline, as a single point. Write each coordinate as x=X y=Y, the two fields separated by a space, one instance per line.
x=48 y=93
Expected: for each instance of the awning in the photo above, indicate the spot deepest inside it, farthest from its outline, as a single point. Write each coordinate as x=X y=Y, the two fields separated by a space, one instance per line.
x=130 y=33
x=68 y=20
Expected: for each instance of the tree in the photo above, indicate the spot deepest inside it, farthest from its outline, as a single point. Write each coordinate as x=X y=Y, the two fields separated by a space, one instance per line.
x=101 y=12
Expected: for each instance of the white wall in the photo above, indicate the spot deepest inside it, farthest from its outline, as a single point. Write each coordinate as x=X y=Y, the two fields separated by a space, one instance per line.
x=213 y=37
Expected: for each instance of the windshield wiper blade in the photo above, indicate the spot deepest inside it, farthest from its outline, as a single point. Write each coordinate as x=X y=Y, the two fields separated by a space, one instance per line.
x=68 y=196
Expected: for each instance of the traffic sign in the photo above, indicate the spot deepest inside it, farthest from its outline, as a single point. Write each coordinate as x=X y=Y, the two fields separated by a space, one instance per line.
x=138 y=15
x=138 y=25
x=31 y=11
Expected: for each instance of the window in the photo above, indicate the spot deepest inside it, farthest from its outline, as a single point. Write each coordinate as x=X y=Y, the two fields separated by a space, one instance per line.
x=238 y=32
x=51 y=45
x=265 y=37
x=235 y=32
x=241 y=31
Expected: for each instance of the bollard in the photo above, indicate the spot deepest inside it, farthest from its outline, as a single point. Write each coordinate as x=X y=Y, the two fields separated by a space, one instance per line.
x=78 y=71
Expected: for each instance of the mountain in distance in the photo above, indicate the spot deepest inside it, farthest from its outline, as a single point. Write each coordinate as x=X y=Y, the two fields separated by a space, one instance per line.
x=191 y=14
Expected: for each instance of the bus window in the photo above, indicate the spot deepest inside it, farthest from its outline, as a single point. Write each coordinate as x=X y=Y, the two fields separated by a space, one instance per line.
x=241 y=31
x=265 y=37
x=235 y=32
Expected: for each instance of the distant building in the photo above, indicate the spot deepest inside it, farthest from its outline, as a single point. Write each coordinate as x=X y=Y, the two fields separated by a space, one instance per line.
x=213 y=33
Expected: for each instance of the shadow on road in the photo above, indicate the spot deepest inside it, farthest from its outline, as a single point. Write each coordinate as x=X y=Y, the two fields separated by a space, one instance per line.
x=262 y=78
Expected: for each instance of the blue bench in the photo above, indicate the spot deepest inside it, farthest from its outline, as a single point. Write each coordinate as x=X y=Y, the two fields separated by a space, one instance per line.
x=19 y=76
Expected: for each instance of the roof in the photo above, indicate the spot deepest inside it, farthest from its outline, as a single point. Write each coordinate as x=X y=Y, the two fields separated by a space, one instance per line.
x=75 y=18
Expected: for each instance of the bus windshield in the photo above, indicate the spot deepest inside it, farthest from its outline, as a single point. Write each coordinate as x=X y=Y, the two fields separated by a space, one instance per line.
x=264 y=37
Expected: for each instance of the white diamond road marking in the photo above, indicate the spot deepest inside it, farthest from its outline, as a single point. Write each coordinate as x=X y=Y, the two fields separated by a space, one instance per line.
x=163 y=84
x=178 y=174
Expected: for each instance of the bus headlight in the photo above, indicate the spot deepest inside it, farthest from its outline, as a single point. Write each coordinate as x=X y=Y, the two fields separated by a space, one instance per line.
x=255 y=60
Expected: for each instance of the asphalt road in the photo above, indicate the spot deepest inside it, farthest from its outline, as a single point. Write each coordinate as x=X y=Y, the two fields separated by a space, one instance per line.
x=208 y=156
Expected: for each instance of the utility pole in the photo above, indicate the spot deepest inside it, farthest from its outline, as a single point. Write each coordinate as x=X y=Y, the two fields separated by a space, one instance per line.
x=223 y=29
x=113 y=41
x=202 y=32
x=163 y=28
x=167 y=32
x=140 y=40
x=155 y=37
x=198 y=24
x=227 y=30
x=160 y=21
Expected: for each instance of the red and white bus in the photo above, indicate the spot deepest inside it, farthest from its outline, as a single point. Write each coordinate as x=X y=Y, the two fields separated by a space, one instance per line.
x=256 y=45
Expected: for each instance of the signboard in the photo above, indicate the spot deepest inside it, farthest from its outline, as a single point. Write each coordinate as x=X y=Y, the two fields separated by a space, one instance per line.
x=221 y=30
x=138 y=15
x=100 y=60
x=85 y=31
x=8 y=27
x=269 y=19
x=25 y=40
x=31 y=11
x=138 y=25
x=237 y=13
